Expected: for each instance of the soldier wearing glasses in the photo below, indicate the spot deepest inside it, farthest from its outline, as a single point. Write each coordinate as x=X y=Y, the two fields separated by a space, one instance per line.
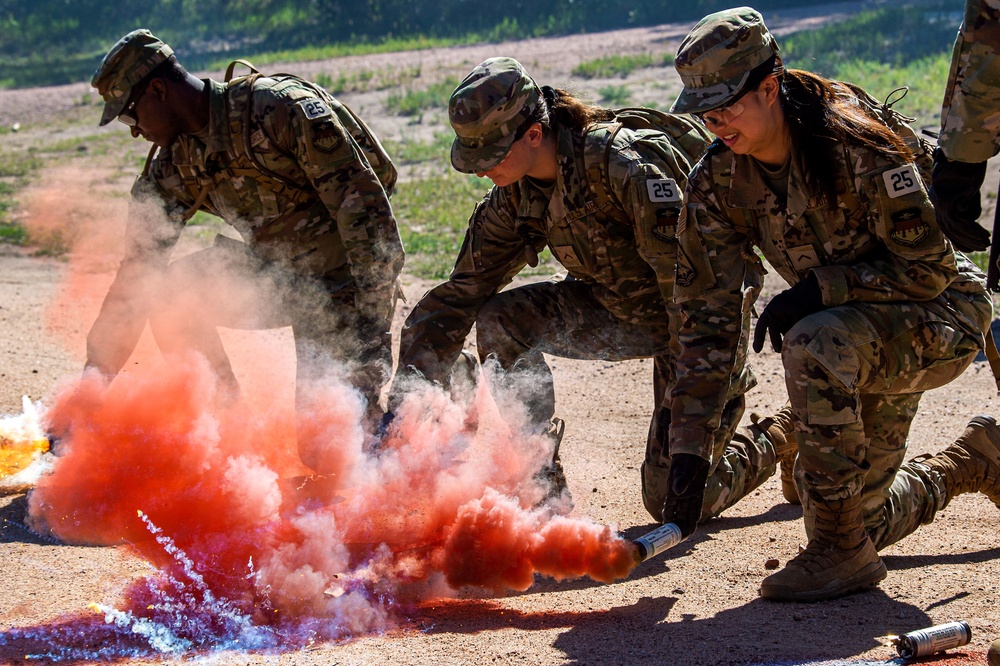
x=303 y=181
x=880 y=308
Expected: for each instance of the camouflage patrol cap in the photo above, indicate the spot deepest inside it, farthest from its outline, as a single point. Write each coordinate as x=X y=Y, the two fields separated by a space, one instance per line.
x=487 y=109
x=126 y=64
x=717 y=56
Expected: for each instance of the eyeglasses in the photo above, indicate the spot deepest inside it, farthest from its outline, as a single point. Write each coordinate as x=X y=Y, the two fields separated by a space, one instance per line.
x=128 y=115
x=721 y=116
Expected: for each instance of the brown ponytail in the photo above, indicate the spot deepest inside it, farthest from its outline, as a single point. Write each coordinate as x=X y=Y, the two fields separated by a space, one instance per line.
x=821 y=115
x=570 y=111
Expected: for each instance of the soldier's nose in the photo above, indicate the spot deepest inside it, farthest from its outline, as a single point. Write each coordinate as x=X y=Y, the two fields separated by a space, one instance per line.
x=135 y=131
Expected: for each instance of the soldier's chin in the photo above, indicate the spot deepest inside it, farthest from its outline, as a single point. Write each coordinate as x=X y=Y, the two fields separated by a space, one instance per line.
x=500 y=181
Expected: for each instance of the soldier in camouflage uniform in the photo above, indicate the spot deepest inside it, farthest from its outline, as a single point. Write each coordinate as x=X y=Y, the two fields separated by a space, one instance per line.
x=880 y=307
x=970 y=127
x=605 y=200
x=288 y=166
x=970 y=135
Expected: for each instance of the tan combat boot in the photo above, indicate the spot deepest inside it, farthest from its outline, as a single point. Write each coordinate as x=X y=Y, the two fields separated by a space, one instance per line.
x=778 y=430
x=972 y=463
x=840 y=558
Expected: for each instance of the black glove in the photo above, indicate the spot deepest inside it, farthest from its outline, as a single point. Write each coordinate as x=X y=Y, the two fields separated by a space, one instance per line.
x=785 y=310
x=955 y=194
x=685 y=491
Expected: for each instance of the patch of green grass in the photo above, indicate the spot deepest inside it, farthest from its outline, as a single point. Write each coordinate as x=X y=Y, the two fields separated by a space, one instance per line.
x=306 y=53
x=411 y=152
x=324 y=80
x=80 y=144
x=9 y=231
x=12 y=233
x=981 y=259
x=883 y=49
x=894 y=35
x=620 y=65
x=410 y=102
x=54 y=243
x=614 y=95
x=19 y=164
x=366 y=79
x=433 y=214
x=16 y=168
x=926 y=79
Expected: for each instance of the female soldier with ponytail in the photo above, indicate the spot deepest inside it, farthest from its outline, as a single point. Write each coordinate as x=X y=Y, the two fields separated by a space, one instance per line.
x=605 y=200
x=810 y=173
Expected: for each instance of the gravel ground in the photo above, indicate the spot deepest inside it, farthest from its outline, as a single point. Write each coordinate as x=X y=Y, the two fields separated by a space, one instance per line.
x=697 y=604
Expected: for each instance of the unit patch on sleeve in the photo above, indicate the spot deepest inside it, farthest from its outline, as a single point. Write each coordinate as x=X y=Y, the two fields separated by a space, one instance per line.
x=327 y=137
x=685 y=269
x=663 y=190
x=665 y=228
x=908 y=227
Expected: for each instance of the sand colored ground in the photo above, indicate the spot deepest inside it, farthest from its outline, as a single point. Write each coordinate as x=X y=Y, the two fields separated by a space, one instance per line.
x=695 y=605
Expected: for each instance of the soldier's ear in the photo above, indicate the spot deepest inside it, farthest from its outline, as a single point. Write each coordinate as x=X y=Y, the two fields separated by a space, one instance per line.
x=535 y=134
x=770 y=87
x=158 y=88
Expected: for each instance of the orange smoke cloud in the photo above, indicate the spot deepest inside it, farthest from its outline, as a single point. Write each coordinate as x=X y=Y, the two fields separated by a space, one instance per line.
x=495 y=543
x=440 y=506
x=78 y=214
x=213 y=492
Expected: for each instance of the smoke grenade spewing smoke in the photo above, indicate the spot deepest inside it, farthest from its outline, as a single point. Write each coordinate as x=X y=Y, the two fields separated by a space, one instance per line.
x=252 y=550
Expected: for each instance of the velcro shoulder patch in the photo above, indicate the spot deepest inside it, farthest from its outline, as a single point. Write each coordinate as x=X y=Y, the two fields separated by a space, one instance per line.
x=314 y=108
x=663 y=190
x=900 y=181
x=908 y=227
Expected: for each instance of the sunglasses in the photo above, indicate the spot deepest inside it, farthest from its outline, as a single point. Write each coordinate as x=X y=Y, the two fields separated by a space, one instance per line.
x=721 y=116
x=128 y=116
x=725 y=114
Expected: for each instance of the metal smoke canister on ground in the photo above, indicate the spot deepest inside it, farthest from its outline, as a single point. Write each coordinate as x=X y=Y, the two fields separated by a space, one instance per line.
x=938 y=638
x=663 y=537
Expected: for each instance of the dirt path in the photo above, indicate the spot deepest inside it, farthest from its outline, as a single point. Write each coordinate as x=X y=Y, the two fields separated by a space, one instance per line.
x=696 y=605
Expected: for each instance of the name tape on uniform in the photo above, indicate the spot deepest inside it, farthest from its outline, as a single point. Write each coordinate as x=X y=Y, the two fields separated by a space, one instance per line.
x=663 y=190
x=903 y=180
x=314 y=108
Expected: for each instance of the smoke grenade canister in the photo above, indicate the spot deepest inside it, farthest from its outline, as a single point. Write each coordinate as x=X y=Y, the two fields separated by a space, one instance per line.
x=663 y=537
x=938 y=638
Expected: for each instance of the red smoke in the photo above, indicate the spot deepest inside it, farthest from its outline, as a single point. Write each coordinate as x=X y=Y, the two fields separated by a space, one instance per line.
x=495 y=543
x=213 y=492
x=441 y=506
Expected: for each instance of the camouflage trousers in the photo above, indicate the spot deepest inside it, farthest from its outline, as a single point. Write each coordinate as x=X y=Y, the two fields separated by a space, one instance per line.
x=855 y=375
x=564 y=319
x=227 y=285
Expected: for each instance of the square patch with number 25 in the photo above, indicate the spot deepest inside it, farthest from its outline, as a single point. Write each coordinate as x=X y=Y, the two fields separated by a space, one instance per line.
x=663 y=190
x=314 y=108
x=903 y=180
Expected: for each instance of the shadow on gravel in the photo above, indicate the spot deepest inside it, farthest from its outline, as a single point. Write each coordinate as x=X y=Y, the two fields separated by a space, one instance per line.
x=760 y=632
x=901 y=562
x=82 y=639
x=13 y=528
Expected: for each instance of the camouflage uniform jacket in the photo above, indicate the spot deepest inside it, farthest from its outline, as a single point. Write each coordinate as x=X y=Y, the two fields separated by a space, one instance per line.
x=328 y=217
x=880 y=244
x=970 y=115
x=624 y=248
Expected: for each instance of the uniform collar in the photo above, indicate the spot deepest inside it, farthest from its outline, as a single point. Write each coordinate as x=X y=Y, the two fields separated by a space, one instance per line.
x=749 y=189
x=534 y=203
